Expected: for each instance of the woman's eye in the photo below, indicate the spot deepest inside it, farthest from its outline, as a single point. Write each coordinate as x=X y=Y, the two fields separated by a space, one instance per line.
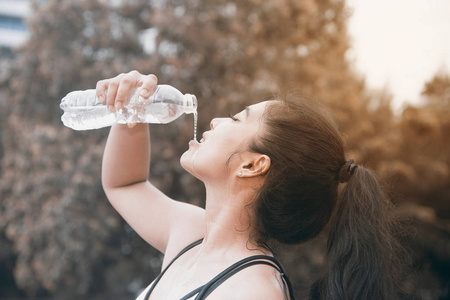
x=233 y=117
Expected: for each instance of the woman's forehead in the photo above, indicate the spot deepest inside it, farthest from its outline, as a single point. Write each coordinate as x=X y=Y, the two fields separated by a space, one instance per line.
x=261 y=106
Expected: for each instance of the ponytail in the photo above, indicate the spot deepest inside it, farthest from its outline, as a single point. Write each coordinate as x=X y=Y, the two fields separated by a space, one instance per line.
x=359 y=262
x=301 y=196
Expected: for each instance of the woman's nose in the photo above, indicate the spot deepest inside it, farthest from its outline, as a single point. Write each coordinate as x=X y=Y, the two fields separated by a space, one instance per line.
x=213 y=123
x=216 y=121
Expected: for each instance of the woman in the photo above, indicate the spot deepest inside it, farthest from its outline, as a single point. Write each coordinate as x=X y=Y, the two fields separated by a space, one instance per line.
x=272 y=174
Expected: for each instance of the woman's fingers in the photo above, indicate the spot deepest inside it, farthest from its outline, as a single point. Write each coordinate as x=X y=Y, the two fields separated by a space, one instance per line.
x=116 y=90
x=149 y=83
x=113 y=86
x=100 y=90
x=127 y=82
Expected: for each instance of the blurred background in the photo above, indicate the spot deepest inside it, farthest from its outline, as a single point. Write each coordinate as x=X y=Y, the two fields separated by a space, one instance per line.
x=59 y=236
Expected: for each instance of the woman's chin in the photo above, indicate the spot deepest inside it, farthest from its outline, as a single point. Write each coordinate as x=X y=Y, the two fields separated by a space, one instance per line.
x=184 y=161
x=187 y=159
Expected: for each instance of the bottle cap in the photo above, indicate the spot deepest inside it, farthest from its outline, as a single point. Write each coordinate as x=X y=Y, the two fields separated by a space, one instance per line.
x=189 y=103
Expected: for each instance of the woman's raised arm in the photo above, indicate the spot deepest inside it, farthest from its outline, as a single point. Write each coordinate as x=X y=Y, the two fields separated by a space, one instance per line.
x=155 y=217
x=127 y=153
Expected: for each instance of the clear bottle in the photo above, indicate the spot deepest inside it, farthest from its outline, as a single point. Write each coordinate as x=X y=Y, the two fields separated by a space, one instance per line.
x=83 y=111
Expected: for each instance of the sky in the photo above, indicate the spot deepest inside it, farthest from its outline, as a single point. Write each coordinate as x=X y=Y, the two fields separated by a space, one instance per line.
x=400 y=44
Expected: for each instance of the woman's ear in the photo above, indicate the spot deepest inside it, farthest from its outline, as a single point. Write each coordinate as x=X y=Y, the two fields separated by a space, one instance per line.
x=255 y=165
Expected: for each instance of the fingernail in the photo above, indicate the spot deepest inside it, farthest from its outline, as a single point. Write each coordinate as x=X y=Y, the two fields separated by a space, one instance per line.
x=111 y=108
x=144 y=93
x=119 y=105
x=101 y=98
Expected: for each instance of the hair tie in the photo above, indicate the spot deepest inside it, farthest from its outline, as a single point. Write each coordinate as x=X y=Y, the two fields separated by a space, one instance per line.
x=347 y=171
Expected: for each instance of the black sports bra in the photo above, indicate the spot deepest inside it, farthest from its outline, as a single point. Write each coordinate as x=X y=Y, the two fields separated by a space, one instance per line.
x=206 y=289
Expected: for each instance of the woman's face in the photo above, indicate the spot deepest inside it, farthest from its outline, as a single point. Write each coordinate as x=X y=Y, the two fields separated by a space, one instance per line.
x=210 y=159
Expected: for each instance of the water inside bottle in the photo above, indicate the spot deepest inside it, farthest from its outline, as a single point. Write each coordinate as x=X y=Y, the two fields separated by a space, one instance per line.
x=156 y=113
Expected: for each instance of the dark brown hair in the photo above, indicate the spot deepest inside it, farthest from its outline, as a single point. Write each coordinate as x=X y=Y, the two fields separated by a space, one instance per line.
x=300 y=195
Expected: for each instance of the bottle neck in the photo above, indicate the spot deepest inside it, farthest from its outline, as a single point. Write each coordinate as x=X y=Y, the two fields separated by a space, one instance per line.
x=189 y=103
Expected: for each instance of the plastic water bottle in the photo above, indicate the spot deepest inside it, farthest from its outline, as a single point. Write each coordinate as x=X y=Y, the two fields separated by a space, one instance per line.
x=83 y=111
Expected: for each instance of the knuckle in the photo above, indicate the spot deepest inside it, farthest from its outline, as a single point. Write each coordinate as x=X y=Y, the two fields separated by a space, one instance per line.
x=101 y=84
x=118 y=77
x=126 y=80
x=134 y=73
x=152 y=77
x=113 y=84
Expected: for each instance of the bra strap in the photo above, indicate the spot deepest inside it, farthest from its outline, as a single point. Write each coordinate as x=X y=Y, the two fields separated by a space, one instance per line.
x=189 y=247
x=240 y=265
x=191 y=294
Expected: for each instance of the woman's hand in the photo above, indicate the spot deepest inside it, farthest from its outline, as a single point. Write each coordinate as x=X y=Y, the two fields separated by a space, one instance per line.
x=119 y=87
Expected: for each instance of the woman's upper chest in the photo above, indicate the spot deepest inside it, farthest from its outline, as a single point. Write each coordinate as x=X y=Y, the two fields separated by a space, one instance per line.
x=184 y=275
x=187 y=274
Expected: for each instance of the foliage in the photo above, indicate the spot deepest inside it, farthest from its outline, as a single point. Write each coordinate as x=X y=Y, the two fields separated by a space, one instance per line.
x=56 y=223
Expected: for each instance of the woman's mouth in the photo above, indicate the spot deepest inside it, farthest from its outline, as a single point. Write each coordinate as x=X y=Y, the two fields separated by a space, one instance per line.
x=203 y=138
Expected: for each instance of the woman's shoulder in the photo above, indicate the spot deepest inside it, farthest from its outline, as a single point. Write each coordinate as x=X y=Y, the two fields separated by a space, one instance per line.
x=256 y=282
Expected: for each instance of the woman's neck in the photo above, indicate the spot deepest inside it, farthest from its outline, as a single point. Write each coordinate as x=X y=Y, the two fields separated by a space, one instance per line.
x=229 y=218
